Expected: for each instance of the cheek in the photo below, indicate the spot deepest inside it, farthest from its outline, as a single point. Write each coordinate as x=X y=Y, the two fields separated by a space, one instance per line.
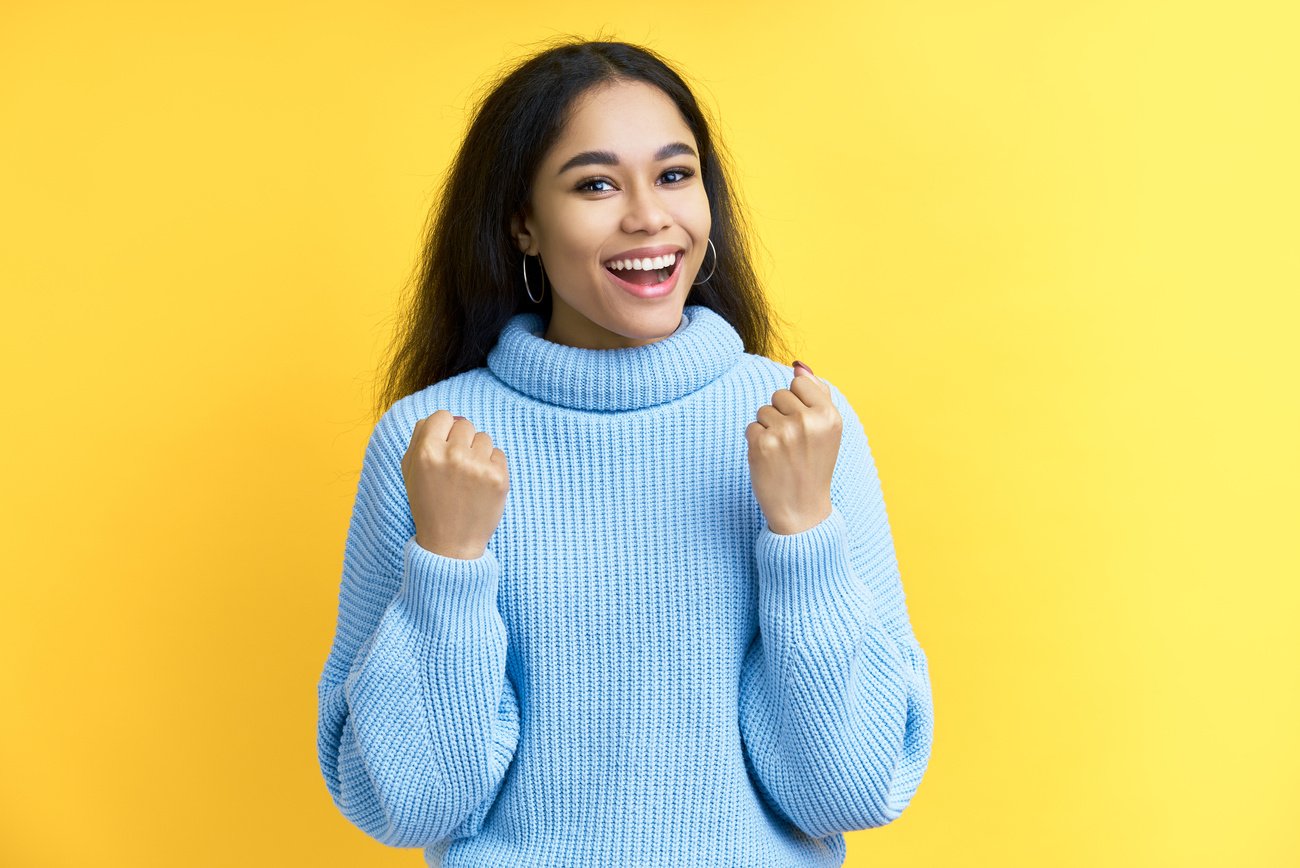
x=577 y=233
x=701 y=219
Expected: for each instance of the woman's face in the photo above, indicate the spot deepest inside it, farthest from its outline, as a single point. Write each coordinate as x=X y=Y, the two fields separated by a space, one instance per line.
x=621 y=183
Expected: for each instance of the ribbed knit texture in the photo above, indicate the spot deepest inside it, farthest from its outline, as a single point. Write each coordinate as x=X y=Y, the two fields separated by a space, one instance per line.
x=637 y=671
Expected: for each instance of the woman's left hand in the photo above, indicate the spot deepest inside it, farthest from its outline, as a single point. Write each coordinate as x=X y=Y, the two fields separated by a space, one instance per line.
x=792 y=452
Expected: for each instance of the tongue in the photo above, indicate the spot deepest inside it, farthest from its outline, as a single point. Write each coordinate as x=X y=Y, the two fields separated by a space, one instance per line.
x=641 y=278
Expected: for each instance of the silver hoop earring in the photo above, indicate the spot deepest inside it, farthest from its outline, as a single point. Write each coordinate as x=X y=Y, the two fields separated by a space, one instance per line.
x=528 y=289
x=711 y=270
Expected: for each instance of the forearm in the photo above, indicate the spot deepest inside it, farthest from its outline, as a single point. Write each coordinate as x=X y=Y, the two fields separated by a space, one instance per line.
x=419 y=732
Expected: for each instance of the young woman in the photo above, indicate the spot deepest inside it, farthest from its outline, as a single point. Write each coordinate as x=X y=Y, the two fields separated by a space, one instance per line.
x=618 y=589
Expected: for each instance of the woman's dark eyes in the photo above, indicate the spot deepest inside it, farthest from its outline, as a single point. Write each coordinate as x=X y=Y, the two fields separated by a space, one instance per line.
x=589 y=185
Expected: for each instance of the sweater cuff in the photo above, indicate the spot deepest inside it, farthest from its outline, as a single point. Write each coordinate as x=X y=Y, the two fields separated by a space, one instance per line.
x=436 y=588
x=806 y=578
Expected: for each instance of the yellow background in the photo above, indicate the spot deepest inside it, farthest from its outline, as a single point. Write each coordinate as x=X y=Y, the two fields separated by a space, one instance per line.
x=1049 y=250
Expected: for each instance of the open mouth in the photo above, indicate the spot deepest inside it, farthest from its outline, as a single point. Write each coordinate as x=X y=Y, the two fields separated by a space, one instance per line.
x=649 y=271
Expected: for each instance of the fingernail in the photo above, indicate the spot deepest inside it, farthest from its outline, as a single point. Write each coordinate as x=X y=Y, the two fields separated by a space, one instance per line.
x=458 y=417
x=805 y=367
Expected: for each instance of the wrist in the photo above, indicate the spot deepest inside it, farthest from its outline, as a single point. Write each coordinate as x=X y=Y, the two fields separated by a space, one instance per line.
x=447 y=550
x=788 y=523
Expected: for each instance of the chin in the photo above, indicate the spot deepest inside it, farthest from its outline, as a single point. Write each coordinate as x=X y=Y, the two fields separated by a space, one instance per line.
x=651 y=325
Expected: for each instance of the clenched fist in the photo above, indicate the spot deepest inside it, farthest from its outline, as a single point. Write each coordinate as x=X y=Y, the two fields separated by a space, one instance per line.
x=456 y=481
x=792 y=452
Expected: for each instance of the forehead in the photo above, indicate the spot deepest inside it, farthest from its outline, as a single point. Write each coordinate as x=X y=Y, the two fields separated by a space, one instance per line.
x=632 y=119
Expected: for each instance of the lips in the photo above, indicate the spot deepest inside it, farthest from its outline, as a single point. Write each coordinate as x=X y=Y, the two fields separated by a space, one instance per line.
x=665 y=280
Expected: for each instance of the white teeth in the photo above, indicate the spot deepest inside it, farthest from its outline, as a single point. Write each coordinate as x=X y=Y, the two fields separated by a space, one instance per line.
x=646 y=264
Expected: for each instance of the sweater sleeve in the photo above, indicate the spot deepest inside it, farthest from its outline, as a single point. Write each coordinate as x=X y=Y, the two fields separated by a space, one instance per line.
x=418 y=720
x=836 y=714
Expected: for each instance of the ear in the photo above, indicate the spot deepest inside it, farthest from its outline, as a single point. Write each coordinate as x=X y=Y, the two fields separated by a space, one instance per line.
x=522 y=231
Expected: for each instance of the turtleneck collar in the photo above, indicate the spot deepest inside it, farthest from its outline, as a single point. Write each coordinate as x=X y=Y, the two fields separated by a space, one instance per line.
x=703 y=347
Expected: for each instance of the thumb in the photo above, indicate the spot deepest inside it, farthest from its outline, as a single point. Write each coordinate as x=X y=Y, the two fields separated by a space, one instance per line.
x=800 y=369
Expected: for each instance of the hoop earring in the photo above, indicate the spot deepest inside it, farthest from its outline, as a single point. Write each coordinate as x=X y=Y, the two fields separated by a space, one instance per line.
x=528 y=289
x=711 y=270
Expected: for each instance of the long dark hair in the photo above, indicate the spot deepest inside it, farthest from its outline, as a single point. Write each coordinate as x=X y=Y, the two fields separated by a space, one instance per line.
x=469 y=278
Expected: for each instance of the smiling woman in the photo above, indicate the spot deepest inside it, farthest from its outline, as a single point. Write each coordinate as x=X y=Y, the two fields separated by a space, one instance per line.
x=618 y=588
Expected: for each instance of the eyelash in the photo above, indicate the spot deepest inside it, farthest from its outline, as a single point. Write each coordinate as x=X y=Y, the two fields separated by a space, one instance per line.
x=584 y=184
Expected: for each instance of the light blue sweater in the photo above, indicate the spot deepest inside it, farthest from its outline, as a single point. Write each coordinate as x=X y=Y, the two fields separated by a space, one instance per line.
x=637 y=671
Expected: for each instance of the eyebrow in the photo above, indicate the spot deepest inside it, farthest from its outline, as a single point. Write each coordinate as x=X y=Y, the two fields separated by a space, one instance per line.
x=609 y=158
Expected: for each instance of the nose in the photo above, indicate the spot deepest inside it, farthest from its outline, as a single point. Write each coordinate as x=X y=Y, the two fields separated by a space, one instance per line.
x=646 y=212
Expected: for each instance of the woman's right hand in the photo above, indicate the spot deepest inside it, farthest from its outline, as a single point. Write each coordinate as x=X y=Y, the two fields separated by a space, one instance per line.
x=456 y=482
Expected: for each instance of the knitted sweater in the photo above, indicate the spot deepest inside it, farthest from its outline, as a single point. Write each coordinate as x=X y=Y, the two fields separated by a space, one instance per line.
x=637 y=670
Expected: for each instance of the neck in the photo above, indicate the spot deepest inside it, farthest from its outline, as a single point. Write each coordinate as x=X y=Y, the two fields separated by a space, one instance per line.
x=572 y=329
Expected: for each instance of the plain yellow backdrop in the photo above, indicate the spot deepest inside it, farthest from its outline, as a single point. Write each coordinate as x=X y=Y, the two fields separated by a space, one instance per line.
x=1049 y=250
